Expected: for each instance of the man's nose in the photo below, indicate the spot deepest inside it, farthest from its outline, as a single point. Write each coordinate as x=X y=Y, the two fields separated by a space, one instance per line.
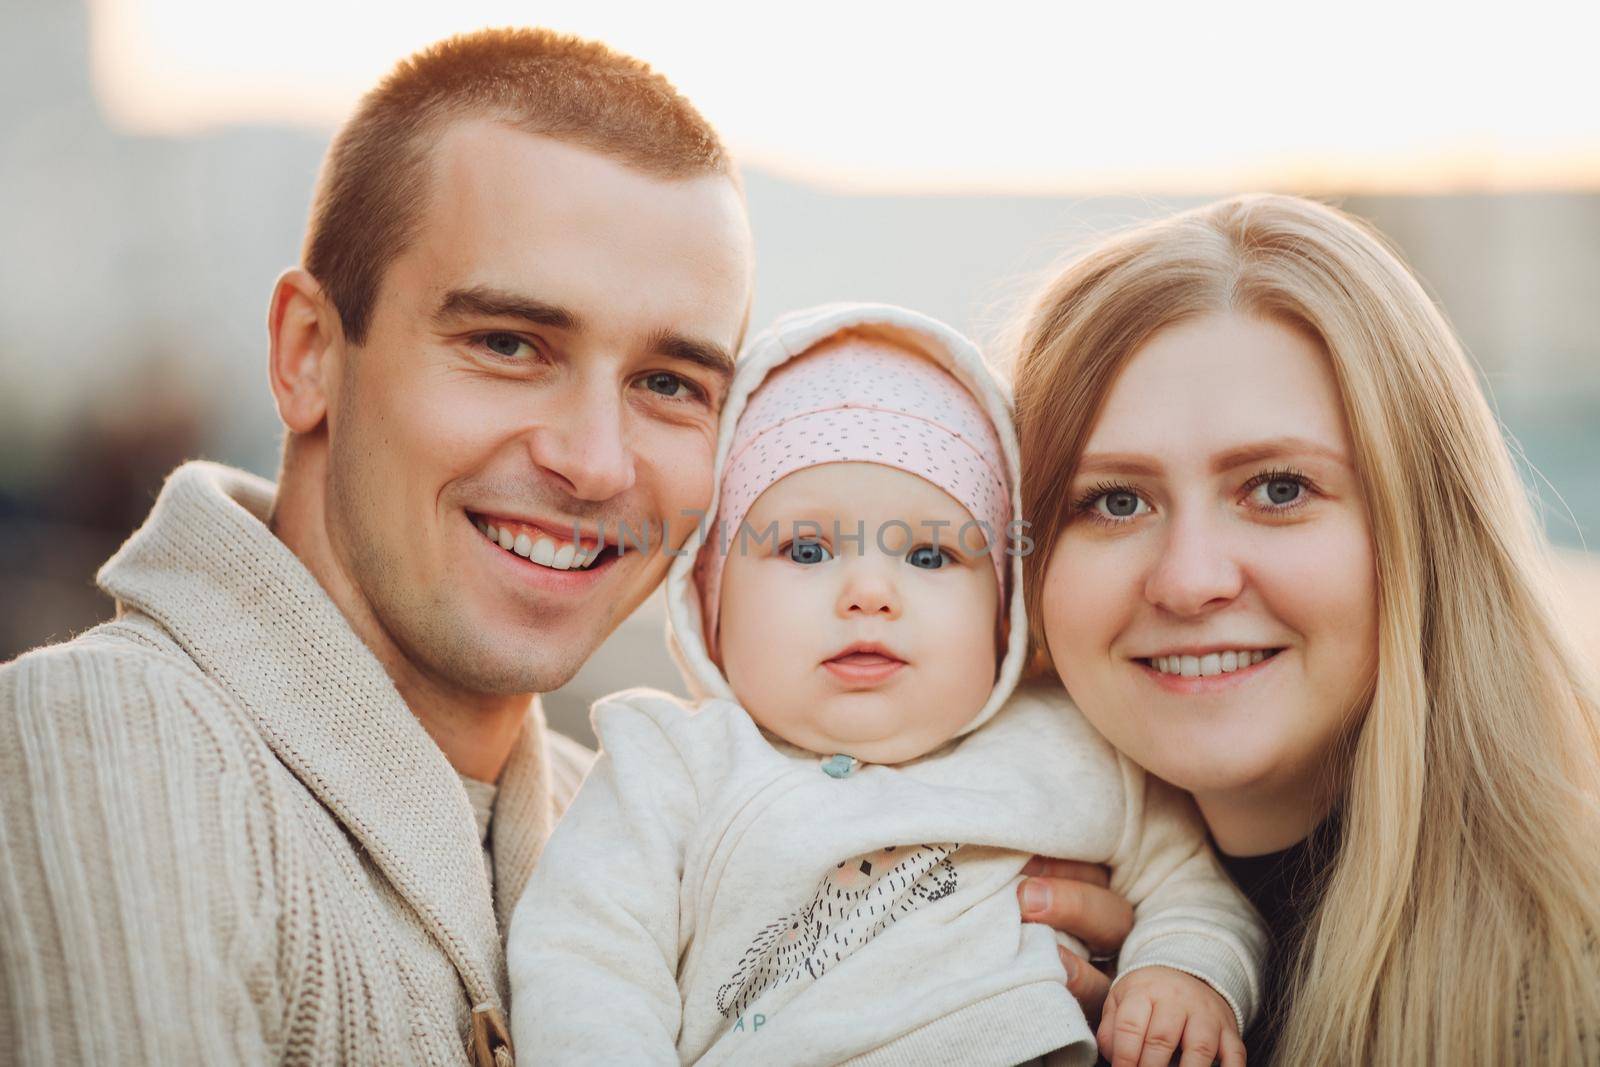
x=1198 y=567
x=585 y=443
x=868 y=591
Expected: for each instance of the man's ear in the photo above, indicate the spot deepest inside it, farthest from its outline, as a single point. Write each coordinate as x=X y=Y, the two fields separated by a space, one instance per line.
x=304 y=336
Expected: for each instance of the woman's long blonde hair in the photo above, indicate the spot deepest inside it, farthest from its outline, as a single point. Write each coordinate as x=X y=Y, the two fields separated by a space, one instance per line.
x=1461 y=912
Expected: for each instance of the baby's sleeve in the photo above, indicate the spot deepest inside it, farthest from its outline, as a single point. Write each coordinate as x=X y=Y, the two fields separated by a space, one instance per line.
x=1188 y=915
x=593 y=947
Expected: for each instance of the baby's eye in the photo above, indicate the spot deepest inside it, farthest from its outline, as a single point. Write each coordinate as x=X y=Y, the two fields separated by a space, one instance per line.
x=807 y=551
x=929 y=557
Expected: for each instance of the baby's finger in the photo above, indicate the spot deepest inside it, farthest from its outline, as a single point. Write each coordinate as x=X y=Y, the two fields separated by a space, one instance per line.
x=1202 y=1042
x=1073 y=870
x=1127 y=1037
x=1098 y=917
x=1086 y=982
x=1107 y=1031
x=1232 y=1048
x=1163 y=1036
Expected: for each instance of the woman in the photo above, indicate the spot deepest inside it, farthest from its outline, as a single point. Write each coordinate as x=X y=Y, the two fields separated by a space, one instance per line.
x=1282 y=559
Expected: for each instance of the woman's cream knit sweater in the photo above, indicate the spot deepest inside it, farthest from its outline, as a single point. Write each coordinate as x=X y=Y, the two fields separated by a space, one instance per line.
x=224 y=838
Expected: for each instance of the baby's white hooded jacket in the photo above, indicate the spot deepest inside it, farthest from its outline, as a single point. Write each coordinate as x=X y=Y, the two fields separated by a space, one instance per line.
x=713 y=896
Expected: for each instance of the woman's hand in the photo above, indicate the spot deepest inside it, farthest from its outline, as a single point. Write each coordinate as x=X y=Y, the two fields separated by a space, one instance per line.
x=1073 y=897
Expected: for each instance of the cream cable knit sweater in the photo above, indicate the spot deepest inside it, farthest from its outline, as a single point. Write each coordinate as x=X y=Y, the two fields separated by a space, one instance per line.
x=224 y=837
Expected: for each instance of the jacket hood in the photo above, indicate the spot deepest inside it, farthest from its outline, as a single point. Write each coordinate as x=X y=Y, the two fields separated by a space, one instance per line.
x=794 y=335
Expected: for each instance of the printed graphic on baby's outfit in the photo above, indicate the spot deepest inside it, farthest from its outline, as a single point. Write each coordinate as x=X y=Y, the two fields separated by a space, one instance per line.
x=852 y=905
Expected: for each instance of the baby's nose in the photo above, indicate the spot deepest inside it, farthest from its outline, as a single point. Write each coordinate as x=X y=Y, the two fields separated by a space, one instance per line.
x=866 y=592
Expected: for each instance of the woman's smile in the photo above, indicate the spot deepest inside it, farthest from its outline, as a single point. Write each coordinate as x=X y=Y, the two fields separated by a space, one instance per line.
x=1207 y=672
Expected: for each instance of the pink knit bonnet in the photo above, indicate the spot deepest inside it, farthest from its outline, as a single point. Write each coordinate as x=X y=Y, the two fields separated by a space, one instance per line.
x=860 y=399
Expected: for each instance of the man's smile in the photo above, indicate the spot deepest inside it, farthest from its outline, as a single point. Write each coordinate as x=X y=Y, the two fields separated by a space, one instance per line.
x=538 y=544
x=547 y=563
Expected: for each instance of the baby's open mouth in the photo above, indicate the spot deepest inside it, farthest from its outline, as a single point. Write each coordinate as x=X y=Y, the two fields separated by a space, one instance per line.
x=1209 y=664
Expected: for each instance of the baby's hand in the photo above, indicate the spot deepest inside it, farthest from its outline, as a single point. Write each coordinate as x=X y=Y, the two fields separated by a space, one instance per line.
x=1154 y=1011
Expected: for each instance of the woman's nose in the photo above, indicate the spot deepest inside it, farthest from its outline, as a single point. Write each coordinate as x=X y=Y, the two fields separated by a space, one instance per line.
x=1197 y=570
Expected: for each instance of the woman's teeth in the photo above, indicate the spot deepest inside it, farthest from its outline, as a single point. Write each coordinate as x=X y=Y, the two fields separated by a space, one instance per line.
x=1211 y=663
x=543 y=550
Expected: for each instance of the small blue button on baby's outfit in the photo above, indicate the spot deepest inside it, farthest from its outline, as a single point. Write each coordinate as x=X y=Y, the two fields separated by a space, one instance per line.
x=839 y=765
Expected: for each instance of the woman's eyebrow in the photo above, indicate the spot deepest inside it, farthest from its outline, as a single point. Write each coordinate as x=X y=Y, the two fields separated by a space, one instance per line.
x=1118 y=463
x=1275 y=448
x=1134 y=463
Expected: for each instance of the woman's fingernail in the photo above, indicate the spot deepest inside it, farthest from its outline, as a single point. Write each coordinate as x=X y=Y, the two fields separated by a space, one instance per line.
x=1035 y=896
x=1068 y=962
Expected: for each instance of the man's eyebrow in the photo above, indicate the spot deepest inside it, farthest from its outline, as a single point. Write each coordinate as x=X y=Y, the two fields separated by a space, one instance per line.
x=712 y=357
x=503 y=304
x=1254 y=452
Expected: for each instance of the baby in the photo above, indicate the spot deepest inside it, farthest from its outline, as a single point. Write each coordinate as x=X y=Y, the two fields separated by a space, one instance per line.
x=817 y=861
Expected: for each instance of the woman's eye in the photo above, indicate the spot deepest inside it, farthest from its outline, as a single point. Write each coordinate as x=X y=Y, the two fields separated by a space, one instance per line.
x=668 y=385
x=928 y=557
x=1278 y=492
x=808 y=552
x=1120 y=504
x=504 y=345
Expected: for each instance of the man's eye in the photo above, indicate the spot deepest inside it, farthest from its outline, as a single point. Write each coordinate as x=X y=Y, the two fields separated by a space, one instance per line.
x=669 y=385
x=1120 y=504
x=928 y=557
x=808 y=552
x=504 y=345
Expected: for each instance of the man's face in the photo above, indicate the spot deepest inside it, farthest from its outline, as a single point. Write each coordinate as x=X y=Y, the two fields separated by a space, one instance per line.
x=548 y=355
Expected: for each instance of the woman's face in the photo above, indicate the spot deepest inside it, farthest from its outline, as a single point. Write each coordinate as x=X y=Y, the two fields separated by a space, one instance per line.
x=1211 y=604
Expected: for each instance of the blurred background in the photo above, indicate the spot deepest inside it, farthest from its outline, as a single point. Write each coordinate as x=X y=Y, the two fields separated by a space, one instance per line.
x=157 y=159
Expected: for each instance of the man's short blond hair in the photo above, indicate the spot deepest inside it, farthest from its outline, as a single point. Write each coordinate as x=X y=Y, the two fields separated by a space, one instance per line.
x=373 y=188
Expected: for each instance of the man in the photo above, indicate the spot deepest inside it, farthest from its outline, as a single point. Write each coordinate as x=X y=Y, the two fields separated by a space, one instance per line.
x=282 y=807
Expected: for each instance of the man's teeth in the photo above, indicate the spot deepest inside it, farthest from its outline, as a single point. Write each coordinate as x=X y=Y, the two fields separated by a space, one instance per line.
x=543 y=551
x=1209 y=664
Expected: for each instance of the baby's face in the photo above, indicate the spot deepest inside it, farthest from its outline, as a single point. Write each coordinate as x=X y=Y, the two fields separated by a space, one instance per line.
x=881 y=647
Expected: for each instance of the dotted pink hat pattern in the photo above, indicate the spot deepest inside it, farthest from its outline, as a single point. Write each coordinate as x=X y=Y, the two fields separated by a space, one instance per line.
x=859 y=400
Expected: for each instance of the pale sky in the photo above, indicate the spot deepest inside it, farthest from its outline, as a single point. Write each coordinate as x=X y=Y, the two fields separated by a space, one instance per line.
x=993 y=96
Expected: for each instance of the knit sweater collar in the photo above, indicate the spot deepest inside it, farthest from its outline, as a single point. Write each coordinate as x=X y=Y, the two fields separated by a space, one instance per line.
x=256 y=621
